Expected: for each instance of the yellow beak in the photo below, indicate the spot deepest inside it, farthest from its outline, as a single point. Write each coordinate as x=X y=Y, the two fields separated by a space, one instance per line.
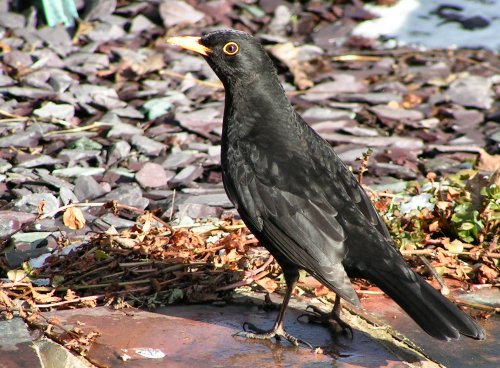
x=190 y=43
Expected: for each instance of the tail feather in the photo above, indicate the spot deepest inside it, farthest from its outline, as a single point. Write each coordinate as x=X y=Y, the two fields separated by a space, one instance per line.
x=435 y=314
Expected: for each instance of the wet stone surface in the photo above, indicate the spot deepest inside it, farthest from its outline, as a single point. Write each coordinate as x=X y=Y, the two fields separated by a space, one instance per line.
x=185 y=336
x=464 y=352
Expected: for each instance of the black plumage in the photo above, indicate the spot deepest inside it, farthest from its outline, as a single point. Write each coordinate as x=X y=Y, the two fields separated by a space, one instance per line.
x=300 y=200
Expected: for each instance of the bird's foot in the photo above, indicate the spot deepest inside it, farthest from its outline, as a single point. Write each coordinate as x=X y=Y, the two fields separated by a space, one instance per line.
x=331 y=320
x=251 y=331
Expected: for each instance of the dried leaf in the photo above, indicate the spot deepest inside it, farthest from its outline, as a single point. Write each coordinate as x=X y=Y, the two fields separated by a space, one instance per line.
x=44 y=298
x=267 y=284
x=455 y=246
x=73 y=218
x=488 y=162
x=434 y=226
x=321 y=290
x=16 y=275
x=40 y=207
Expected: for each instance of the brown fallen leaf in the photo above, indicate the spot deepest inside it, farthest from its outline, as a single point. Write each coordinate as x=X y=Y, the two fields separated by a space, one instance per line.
x=40 y=207
x=45 y=298
x=321 y=290
x=488 y=162
x=267 y=283
x=73 y=218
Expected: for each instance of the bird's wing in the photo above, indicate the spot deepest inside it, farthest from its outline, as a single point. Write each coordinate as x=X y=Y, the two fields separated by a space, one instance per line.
x=287 y=204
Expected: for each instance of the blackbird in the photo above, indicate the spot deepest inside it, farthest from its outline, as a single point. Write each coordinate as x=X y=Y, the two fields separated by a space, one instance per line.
x=300 y=200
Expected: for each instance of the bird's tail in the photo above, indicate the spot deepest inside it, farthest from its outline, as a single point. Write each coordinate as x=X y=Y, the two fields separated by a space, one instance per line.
x=435 y=314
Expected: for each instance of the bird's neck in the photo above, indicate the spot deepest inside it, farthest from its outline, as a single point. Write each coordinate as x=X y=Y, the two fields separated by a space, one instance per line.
x=255 y=104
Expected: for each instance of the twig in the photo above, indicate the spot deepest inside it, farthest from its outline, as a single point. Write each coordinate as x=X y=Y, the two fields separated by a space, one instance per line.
x=364 y=164
x=104 y=285
x=243 y=282
x=71 y=205
x=449 y=252
x=171 y=213
x=444 y=289
x=249 y=276
x=482 y=307
x=15 y=118
x=76 y=300
x=96 y=124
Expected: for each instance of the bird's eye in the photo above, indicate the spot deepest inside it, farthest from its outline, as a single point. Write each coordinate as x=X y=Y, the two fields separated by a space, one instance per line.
x=231 y=48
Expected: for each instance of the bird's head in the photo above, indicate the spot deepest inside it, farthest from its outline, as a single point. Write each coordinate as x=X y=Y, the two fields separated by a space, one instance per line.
x=236 y=57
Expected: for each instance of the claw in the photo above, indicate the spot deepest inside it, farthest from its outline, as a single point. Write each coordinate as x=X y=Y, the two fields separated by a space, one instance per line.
x=330 y=320
x=250 y=331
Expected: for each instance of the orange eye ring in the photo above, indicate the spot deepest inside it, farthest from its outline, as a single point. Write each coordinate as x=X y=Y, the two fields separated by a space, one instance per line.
x=231 y=48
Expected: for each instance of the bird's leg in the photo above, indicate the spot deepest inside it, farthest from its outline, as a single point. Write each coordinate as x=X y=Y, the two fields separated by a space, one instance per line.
x=331 y=320
x=277 y=331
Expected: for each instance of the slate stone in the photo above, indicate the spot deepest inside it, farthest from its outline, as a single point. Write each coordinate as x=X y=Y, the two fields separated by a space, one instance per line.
x=76 y=171
x=393 y=113
x=48 y=59
x=325 y=127
x=202 y=121
x=39 y=160
x=38 y=79
x=105 y=32
x=318 y=113
x=4 y=165
x=176 y=12
x=465 y=119
x=350 y=156
x=152 y=175
x=60 y=81
x=186 y=176
x=22 y=139
x=87 y=62
x=87 y=188
x=472 y=91
x=109 y=219
x=129 y=194
x=411 y=144
x=219 y=199
x=214 y=156
x=12 y=20
x=5 y=81
x=179 y=159
x=129 y=112
x=372 y=98
x=29 y=203
x=98 y=95
x=361 y=132
x=85 y=144
x=57 y=38
x=75 y=155
x=117 y=151
x=343 y=83
x=41 y=128
x=121 y=130
x=141 y=23
x=67 y=196
x=198 y=211
x=280 y=23
x=28 y=92
x=97 y=9
x=147 y=145
x=17 y=59
x=12 y=221
x=45 y=177
x=399 y=171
